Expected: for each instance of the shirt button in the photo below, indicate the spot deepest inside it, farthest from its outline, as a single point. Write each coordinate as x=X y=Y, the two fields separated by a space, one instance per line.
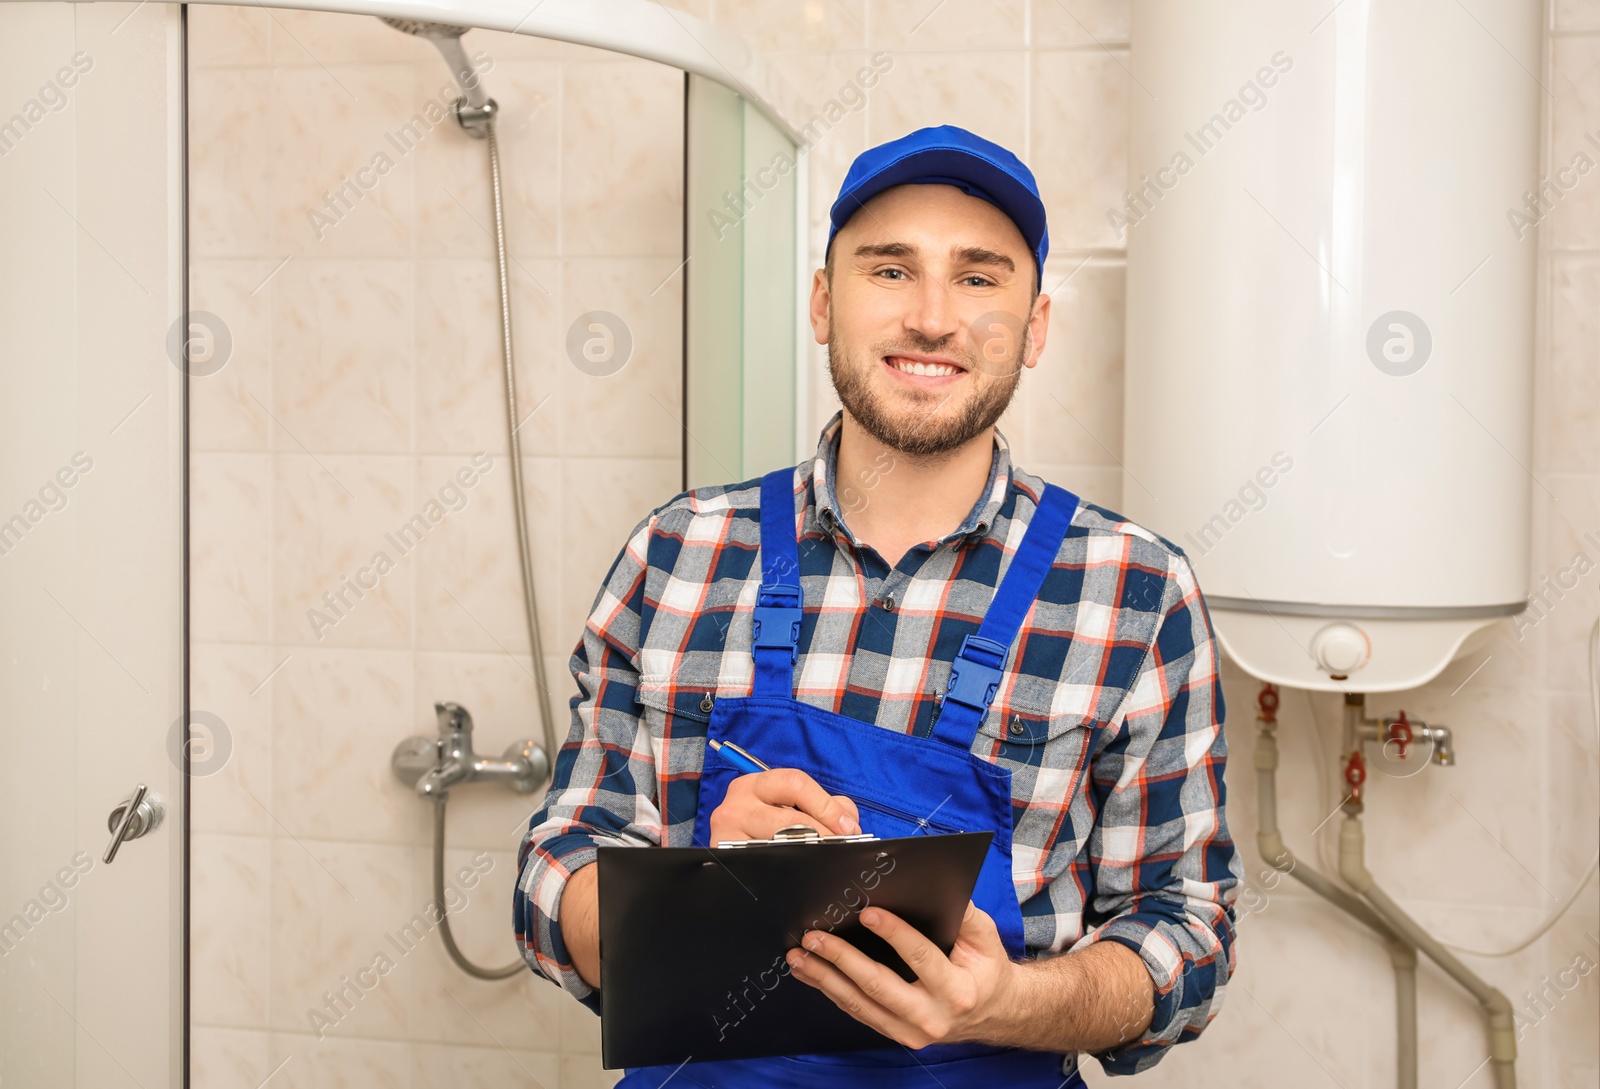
x=706 y=703
x=1016 y=725
x=887 y=603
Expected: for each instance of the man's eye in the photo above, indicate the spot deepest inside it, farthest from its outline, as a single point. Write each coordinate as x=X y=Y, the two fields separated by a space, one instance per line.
x=896 y=271
x=982 y=281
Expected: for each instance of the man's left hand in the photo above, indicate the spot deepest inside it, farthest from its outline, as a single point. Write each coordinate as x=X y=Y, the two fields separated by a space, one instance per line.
x=953 y=999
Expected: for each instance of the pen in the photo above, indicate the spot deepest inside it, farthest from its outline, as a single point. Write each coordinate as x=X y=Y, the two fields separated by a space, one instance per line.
x=736 y=756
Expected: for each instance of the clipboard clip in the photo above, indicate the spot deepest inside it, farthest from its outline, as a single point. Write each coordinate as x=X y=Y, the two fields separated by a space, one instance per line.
x=798 y=833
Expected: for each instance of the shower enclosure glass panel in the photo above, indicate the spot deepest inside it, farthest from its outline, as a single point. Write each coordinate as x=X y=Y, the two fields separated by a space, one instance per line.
x=91 y=543
x=741 y=304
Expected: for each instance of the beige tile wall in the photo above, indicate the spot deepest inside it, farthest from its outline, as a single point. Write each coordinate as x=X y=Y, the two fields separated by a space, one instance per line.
x=365 y=373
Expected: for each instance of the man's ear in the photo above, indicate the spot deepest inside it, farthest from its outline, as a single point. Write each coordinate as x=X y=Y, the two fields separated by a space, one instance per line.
x=821 y=306
x=1038 y=329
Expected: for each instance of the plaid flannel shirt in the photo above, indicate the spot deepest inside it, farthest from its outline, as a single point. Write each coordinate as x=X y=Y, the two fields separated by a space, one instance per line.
x=1109 y=715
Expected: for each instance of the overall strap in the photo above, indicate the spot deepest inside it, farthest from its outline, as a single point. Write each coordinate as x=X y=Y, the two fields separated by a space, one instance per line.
x=975 y=673
x=776 y=629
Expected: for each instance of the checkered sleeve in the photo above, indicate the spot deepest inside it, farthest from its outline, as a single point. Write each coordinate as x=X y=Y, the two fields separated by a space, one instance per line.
x=603 y=790
x=1165 y=867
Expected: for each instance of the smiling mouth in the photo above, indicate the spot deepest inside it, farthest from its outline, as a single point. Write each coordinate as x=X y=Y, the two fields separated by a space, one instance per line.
x=920 y=368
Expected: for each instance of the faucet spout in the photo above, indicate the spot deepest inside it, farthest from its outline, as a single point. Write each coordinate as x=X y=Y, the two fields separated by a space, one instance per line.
x=436 y=782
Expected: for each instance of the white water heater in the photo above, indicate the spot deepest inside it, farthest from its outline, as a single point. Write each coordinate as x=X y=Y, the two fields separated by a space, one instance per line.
x=1331 y=233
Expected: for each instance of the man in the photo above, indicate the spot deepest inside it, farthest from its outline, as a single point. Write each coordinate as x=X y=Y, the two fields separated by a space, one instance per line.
x=887 y=625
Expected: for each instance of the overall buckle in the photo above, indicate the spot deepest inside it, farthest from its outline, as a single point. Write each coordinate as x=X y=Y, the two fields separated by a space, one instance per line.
x=777 y=616
x=975 y=673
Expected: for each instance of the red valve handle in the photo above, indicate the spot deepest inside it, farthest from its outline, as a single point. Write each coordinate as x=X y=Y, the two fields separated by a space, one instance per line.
x=1268 y=702
x=1400 y=732
x=1355 y=773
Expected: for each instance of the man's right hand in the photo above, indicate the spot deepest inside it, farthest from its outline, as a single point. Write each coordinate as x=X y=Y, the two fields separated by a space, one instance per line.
x=760 y=803
x=756 y=806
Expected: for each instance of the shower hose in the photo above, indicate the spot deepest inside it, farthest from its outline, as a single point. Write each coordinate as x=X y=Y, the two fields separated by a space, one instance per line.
x=542 y=696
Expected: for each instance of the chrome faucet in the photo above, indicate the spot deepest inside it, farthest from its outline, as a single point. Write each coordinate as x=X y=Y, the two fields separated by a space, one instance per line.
x=434 y=765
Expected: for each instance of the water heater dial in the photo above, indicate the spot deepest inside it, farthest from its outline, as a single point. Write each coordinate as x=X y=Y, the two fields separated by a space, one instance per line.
x=1341 y=648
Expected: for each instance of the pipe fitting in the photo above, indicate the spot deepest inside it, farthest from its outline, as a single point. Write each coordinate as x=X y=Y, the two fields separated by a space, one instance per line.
x=1401 y=953
x=1502 y=1027
x=1441 y=740
x=1274 y=852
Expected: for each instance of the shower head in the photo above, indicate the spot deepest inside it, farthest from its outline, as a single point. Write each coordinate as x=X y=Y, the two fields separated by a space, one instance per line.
x=446 y=37
x=423 y=29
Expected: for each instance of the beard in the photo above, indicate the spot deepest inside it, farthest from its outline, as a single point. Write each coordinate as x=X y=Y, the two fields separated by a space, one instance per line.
x=917 y=429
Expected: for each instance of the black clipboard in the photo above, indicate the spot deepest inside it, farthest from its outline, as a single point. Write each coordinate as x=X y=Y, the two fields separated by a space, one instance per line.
x=693 y=939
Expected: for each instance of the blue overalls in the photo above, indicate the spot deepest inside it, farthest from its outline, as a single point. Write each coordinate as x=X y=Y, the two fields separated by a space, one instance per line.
x=903 y=785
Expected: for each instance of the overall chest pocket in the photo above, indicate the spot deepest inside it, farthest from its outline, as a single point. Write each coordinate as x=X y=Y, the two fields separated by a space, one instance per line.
x=887 y=817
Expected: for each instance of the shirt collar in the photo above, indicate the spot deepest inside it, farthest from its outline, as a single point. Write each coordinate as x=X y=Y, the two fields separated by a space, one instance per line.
x=830 y=510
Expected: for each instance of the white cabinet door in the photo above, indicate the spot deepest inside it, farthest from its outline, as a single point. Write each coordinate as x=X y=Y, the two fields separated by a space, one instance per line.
x=91 y=543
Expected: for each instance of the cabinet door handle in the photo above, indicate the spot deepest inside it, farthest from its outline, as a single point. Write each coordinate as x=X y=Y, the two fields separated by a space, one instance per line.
x=133 y=817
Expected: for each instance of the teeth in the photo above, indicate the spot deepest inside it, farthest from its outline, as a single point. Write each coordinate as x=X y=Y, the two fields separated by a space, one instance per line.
x=928 y=370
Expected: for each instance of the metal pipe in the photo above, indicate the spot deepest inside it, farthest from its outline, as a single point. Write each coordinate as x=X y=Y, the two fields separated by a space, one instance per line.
x=1276 y=853
x=1496 y=1006
x=1404 y=959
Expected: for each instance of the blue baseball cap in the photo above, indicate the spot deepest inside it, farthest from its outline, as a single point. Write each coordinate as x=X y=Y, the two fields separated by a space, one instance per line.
x=948 y=155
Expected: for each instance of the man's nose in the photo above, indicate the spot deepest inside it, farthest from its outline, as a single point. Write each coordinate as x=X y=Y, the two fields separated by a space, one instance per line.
x=933 y=313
